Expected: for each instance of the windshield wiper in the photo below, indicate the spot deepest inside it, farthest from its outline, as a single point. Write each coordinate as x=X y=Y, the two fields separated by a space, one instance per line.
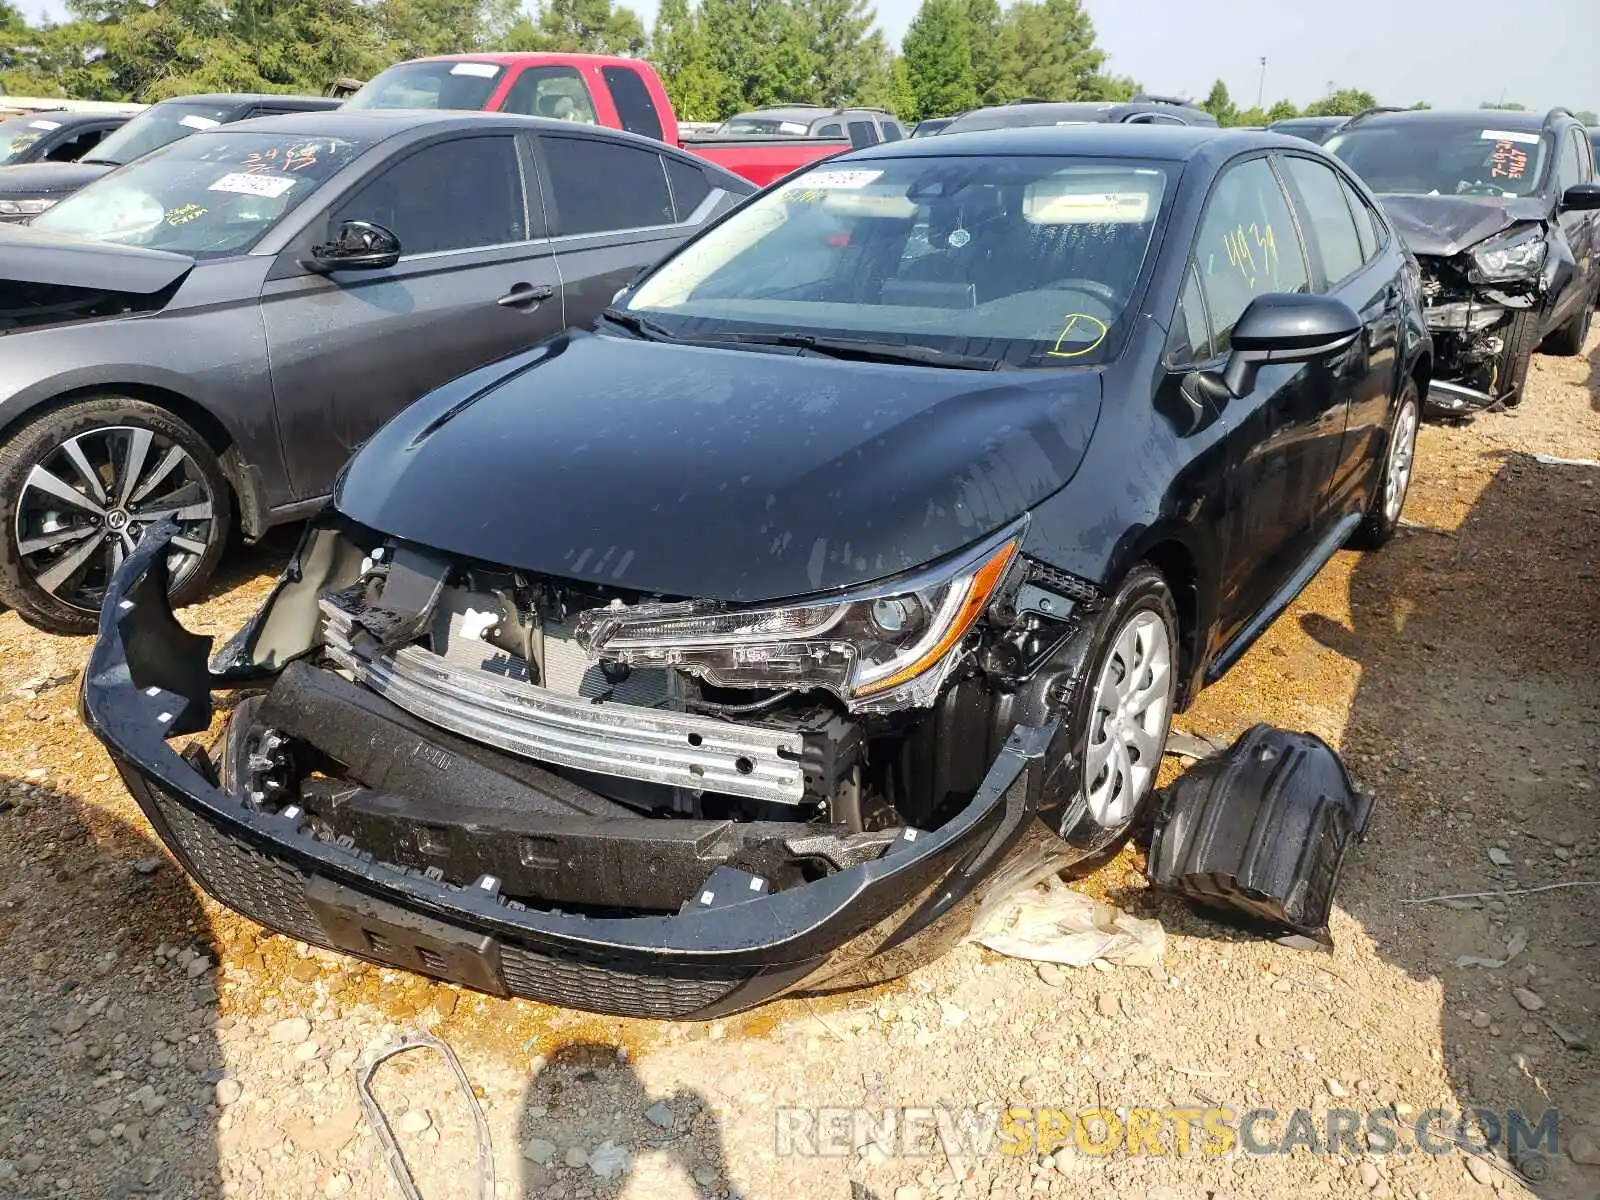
x=642 y=326
x=870 y=351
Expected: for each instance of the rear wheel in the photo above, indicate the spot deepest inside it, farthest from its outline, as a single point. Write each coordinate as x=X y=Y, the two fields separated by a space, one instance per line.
x=81 y=484
x=1516 y=356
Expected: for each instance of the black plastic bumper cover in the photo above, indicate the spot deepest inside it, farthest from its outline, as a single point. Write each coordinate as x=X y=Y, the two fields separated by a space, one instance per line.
x=1261 y=831
x=147 y=681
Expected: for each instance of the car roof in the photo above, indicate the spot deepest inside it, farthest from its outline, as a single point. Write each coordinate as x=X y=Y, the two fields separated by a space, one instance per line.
x=66 y=116
x=1051 y=112
x=1447 y=118
x=1319 y=121
x=240 y=99
x=1170 y=142
x=511 y=58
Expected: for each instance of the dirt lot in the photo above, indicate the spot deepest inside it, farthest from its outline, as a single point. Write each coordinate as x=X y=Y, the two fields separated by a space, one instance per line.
x=156 y=1045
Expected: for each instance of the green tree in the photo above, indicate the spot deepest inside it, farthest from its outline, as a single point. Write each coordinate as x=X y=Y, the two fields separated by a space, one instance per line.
x=1283 y=110
x=1344 y=102
x=759 y=52
x=1112 y=88
x=1048 y=51
x=579 y=27
x=892 y=90
x=1220 y=105
x=847 y=53
x=984 y=22
x=938 y=57
x=1587 y=117
x=1504 y=106
x=681 y=54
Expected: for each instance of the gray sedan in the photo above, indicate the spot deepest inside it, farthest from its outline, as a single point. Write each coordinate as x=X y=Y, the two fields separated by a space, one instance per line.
x=207 y=333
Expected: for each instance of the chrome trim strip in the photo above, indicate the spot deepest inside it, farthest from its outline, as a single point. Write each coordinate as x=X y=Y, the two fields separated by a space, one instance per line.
x=670 y=748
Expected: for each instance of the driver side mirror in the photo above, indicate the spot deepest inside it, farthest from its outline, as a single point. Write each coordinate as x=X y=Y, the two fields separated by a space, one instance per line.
x=1581 y=197
x=359 y=245
x=1286 y=327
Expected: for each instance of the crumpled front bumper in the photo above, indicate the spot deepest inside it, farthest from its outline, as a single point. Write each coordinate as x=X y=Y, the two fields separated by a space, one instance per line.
x=148 y=680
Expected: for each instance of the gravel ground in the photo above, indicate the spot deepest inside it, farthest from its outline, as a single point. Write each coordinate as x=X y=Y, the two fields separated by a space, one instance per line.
x=158 y=1045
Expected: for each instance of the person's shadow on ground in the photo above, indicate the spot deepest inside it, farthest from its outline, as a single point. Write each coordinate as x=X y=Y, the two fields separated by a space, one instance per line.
x=588 y=1118
x=109 y=1060
x=1476 y=722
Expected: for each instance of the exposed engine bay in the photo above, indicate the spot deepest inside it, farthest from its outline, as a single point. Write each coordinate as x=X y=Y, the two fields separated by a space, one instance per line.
x=457 y=720
x=1474 y=328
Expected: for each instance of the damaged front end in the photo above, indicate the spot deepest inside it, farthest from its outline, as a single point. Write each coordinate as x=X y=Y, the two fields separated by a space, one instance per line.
x=631 y=804
x=1478 y=327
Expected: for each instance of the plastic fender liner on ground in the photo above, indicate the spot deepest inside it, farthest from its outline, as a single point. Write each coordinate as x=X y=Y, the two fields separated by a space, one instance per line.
x=1261 y=831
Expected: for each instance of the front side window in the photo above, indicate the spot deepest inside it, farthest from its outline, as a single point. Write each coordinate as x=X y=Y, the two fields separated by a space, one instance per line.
x=1247 y=246
x=1569 y=169
x=1368 y=228
x=1332 y=225
x=430 y=83
x=1191 y=332
x=455 y=195
x=1427 y=157
x=555 y=92
x=1034 y=260
x=208 y=196
x=158 y=126
x=601 y=186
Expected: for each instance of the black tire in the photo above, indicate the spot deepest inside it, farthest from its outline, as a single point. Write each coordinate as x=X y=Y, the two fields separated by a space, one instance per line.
x=1383 y=517
x=98 y=428
x=1511 y=371
x=1568 y=340
x=1083 y=824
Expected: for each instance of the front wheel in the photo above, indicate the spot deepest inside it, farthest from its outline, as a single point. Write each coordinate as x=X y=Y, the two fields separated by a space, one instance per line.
x=1516 y=357
x=1121 y=711
x=1394 y=481
x=78 y=488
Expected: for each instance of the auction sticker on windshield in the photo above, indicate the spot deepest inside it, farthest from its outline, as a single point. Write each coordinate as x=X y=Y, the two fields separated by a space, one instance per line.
x=477 y=70
x=44 y=124
x=194 y=122
x=270 y=186
x=840 y=179
x=1510 y=135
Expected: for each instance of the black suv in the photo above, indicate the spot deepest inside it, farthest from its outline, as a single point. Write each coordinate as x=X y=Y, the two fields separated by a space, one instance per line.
x=1500 y=210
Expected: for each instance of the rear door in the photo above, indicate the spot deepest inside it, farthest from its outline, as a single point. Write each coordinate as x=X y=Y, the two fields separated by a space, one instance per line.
x=476 y=281
x=614 y=206
x=1280 y=454
x=1347 y=263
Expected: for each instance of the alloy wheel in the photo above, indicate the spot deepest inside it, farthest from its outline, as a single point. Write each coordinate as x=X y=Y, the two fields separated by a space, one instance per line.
x=86 y=503
x=1128 y=728
x=1402 y=452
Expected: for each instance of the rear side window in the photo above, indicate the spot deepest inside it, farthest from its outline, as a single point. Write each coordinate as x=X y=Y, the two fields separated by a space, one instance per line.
x=600 y=186
x=1247 y=246
x=1367 y=227
x=632 y=98
x=863 y=134
x=689 y=186
x=556 y=92
x=1333 y=228
x=453 y=195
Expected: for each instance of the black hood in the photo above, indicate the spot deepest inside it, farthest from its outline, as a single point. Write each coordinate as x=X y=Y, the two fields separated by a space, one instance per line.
x=717 y=474
x=1441 y=226
x=49 y=179
x=29 y=255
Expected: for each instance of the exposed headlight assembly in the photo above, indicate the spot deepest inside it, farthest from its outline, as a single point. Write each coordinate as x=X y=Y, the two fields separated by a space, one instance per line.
x=25 y=208
x=1512 y=256
x=884 y=647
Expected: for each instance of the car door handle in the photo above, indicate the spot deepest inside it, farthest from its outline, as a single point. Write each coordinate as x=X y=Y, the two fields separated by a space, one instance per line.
x=526 y=295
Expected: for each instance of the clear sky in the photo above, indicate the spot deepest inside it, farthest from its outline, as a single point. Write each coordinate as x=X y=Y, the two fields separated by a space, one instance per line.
x=1452 y=53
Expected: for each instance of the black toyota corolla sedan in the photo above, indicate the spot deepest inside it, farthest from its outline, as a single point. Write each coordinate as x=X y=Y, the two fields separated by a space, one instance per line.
x=867 y=544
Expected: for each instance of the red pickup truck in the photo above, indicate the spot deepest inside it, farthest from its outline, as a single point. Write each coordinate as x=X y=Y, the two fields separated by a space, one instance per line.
x=623 y=93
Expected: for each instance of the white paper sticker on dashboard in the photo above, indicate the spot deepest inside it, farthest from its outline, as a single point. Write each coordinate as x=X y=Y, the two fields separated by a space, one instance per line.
x=270 y=186
x=1510 y=135
x=194 y=122
x=843 y=180
x=476 y=70
x=44 y=124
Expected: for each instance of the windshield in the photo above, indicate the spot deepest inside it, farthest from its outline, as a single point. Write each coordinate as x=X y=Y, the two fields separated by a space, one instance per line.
x=1031 y=261
x=18 y=136
x=156 y=127
x=1311 y=131
x=1425 y=158
x=207 y=196
x=430 y=84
